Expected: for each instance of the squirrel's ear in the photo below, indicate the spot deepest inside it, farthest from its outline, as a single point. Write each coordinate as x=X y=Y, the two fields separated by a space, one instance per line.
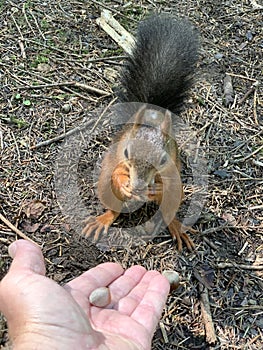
x=138 y=116
x=166 y=125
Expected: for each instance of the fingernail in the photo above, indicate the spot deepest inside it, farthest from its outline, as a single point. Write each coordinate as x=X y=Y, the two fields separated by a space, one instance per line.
x=12 y=249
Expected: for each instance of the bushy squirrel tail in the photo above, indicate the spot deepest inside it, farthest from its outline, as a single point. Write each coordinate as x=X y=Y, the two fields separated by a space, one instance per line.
x=161 y=67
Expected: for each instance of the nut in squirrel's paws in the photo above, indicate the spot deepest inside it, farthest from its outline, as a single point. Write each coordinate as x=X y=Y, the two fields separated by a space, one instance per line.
x=126 y=190
x=178 y=232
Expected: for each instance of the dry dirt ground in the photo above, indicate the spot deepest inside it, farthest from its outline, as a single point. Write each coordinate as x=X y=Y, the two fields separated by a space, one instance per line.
x=52 y=54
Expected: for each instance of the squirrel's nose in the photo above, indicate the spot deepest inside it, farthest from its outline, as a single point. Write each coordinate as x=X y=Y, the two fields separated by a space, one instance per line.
x=139 y=186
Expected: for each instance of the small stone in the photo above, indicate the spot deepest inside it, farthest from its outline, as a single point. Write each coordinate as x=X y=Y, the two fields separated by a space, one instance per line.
x=100 y=297
x=43 y=67
x=249 y=35
x=173 y=278
x=66 y=108
x=259 y=323
x=219 y=56
x=187 y=301
x=222 y=174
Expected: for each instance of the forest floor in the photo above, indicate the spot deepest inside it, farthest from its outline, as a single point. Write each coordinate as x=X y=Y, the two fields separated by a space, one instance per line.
x=53 y=55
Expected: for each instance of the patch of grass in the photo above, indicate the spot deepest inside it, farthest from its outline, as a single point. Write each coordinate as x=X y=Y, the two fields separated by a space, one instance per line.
x=41 y=58
x=109 y=53
x=18 y=122
x=61 y=97
x=44 y=24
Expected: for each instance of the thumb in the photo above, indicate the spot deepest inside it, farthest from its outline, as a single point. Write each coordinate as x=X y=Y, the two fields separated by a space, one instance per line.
x=27 y=256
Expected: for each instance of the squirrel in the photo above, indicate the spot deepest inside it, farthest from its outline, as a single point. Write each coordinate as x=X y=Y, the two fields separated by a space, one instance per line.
x=143 y=163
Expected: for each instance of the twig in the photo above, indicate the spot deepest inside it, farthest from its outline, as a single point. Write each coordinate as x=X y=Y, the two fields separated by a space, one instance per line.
x=22 y=48
x=242 y=144
x=240 y=266
x=67 y=83
x=108 y=58
x=215 y=229
x=32 y=14
x=243 y=248
x=255 y=107
x=1 y=140
x=66 y=53
x=111 y=8
x=21 y=39
x=15 y=229
x=102 y=114
x=207 y=317
x=27 y=21
x=256 y=207
x=241 y=76
x=247 y=307
x=249 y=155
x=62 y=136
x=249 y=92
x=211 y=244
x=17 y=27
x=164 y=333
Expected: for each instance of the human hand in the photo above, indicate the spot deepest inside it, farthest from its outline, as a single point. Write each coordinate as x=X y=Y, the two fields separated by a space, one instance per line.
x=43 y=315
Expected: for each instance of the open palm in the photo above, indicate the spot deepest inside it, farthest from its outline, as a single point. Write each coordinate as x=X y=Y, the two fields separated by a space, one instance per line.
x=39 y=311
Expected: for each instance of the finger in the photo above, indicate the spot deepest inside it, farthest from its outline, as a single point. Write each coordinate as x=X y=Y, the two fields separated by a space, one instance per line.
x=99 y=276
x=149 y=298
x=148 y=311
x=26 y=256
x=124 y=284
x=130 y=302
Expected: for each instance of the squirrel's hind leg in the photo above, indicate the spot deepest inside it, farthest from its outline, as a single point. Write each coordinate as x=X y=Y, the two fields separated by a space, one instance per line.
x=178 y=232
x=99 y=224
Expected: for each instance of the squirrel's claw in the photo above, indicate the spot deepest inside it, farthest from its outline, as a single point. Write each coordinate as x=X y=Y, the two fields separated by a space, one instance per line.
x=126 y=190
x=93 y=224
x=99 y=224
x=177 y=231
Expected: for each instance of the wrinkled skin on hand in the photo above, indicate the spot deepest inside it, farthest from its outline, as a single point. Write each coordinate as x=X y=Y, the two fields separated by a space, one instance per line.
x=44 y=315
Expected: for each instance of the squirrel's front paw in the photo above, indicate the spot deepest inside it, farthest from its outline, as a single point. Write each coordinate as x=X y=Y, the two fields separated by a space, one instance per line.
x=121 y=186
x=126 y=190
x=94 y=224
x=99 y=224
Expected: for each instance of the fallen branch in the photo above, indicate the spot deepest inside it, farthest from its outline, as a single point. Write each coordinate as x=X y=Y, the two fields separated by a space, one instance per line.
x=207 y=317
x=67 y=83
x=62 y=136
x=112 y=27
x=15 y=229
x=240 y=266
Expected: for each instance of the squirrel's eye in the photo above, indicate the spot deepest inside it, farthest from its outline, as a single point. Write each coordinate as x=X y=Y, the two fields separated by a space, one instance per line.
x=163 y=159
x=126 y=154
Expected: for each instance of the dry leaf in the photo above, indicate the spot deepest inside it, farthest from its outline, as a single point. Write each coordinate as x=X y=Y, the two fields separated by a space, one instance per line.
x=28 y=227
x=229 y=218
x=34 y=209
